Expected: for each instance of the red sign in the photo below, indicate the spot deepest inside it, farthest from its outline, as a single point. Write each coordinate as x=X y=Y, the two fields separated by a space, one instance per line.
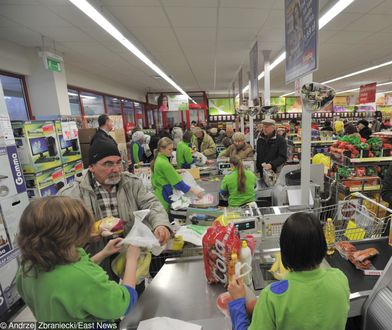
x=367 y=93
x=129 y=127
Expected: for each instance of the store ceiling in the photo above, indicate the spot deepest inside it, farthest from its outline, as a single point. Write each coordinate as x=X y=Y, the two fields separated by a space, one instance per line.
x=200 y=43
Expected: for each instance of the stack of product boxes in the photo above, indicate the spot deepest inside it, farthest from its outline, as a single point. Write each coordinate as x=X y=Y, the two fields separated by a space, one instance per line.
x=13 y=201
x=50 y=157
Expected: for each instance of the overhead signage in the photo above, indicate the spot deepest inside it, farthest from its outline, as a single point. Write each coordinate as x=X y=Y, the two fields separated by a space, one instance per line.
x=178 y=102
x=301 y=37
x=367 y=93
x=253 y=73
x=224 y=106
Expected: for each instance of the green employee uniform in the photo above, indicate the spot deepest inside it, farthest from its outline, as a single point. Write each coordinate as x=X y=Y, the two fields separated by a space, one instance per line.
x=230 y=186
x=308 y=300
x=80 y=291
x=184 y=155
x=164 y=178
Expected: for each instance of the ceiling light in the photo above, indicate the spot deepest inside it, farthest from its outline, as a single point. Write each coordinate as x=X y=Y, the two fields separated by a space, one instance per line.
x=284 y=95
x=357 y=89
x=98 y=18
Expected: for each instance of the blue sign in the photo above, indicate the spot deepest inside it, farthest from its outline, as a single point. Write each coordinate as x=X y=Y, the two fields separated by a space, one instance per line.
x=301 y=32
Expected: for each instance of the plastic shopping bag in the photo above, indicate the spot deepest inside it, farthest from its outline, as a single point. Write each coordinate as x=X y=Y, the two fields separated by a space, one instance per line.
x=143 y=265
x=141 y=236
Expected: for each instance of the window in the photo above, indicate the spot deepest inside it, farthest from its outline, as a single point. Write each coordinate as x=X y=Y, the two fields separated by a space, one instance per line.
x=113 y=104
x=129 y=115
x=15 y=98
x=139 y=115
x=92 y=104
x=74 y=104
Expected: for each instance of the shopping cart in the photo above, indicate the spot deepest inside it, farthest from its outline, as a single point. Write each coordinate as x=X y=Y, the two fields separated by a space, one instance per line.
x=355 y=218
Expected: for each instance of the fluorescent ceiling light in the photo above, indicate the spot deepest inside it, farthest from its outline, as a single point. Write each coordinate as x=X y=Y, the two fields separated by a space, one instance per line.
x=97 y=17
x=333 y=12
x=324 y=20
x=284 y=95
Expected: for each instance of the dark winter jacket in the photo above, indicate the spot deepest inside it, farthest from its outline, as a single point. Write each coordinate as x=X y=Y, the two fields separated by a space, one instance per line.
x=102 y=135
x=271 y=150
x=386 y=192
x=365 y=132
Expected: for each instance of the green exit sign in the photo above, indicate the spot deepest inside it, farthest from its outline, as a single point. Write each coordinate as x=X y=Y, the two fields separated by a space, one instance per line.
x=53 y=65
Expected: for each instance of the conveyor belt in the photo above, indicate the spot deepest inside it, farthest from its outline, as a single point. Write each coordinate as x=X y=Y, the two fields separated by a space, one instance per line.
x=357 y=280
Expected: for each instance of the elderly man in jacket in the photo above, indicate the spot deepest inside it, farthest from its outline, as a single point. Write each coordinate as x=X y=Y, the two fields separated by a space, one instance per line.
x=239 y=148
x=108 y=191
x=204 y=143
x=271 y=148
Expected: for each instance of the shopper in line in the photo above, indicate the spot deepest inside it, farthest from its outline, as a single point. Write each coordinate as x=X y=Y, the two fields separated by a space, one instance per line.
x=221 y=136
x=107 y=191
x=226 y=142
x=204 y=143
x=164 y=177
x=271 y=148
x=58 y=280
x=105 y=126
x=214 y=134
x=136 y=150
x=327 y=126
x=310 y=298
x=239 y=148
x=184 y=151
x=239 y=186
x=363 y=129
x=386 y=194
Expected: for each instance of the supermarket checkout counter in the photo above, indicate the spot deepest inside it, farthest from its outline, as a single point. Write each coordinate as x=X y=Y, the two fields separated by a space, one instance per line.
x=181 y=291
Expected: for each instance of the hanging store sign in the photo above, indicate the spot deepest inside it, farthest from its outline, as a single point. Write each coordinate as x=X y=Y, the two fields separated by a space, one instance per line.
x=178 y=102
x=240 y=87
x=301 y=37
x=224 y=106
x=367 y=93
x=253 y=66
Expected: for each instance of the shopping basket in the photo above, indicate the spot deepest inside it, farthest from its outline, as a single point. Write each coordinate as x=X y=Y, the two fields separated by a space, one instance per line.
x=355 y=218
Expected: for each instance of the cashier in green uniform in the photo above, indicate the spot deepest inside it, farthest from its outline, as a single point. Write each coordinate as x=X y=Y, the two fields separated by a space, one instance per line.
x=239 y=185
x=184 y=151
x=164 y=176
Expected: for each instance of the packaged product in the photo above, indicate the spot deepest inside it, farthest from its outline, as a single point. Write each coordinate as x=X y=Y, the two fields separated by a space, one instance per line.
x=219 y=243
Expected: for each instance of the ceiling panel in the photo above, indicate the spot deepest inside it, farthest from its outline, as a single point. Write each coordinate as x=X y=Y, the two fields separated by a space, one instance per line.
x=191 y=3
x=139 y=16
x=131 y=3
x=21 y=36
x=233 y=34
x=242 y=18
x=265 y=4
x=364 y=7
x=370 y=23
x=341 y=21
x=192 y=17
x=196 y=34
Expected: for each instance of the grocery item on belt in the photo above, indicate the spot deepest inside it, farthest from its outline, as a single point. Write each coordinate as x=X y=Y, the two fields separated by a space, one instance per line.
x=219 y=243
x=108 y=226
x=362 y=255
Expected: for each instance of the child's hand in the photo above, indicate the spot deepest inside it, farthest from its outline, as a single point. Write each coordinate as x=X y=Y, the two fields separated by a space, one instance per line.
x=236 y=289
x=112 y=247
x=133 y=252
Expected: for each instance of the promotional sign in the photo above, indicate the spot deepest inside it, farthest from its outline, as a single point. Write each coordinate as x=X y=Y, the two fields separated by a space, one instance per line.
x=280 y=102
x=367 y=93
x=253 y=73
x=178 y=102
x=293 y=104
x=240 y=87
x=301 y=37
x=223 y=106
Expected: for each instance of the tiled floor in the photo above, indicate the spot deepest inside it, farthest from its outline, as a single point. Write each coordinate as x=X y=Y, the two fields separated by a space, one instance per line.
x=25 y=316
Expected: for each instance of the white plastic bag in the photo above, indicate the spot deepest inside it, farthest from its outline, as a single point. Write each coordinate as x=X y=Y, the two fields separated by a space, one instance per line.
x=200 y=158
x=141 y=236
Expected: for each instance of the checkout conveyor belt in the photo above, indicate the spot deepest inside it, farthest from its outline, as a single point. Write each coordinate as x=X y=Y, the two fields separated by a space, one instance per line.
x=357 y=280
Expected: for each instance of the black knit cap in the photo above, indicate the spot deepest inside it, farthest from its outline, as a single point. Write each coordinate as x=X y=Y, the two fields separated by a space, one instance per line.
x=364 y=122
x=101 y=148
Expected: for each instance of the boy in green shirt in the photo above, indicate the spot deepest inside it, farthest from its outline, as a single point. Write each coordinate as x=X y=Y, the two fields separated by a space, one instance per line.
x=310 y=298
x=57 y=279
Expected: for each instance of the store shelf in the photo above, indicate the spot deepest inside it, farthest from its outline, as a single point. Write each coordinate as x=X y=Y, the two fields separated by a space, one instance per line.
x=370 y=160
x=365 y=188
x=314 y=142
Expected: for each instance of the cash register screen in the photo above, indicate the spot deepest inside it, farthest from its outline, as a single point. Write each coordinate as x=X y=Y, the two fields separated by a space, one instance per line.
x=245 y=225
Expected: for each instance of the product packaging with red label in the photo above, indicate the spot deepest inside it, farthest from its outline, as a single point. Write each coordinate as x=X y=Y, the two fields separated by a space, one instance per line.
x=219 y=243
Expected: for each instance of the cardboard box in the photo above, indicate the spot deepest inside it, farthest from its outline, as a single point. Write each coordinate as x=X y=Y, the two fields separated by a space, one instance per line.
x=5 y=245
x=69 y=148
x=37 y=145
x=11 y=211
x=72 y=170
x=11 y=177
x=86 y=135
x=45 y=183
x=8 y=270
x=118 y=135
x=85 y=147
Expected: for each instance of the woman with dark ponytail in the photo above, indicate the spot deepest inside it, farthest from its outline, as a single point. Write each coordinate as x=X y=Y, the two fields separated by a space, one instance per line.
x=239 y=185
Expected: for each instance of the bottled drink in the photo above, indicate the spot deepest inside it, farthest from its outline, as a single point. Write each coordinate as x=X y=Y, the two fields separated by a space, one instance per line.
x=329 y=233
x=246 y=258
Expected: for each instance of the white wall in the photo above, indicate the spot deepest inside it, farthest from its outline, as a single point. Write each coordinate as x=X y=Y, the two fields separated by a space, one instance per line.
x=22 y=60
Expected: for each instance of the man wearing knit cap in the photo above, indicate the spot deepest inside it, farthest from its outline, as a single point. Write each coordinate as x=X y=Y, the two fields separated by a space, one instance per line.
x=107 y=191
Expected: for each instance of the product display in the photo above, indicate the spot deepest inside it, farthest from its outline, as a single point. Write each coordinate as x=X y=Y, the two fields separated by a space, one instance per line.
x=68 y=142
x=46 y=183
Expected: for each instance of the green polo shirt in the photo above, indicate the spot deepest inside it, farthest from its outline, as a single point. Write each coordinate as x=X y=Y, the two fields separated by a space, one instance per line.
x=164 y=178
x=80 y=291
x=183 y=155
x=316 y=299
x=230 y=186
